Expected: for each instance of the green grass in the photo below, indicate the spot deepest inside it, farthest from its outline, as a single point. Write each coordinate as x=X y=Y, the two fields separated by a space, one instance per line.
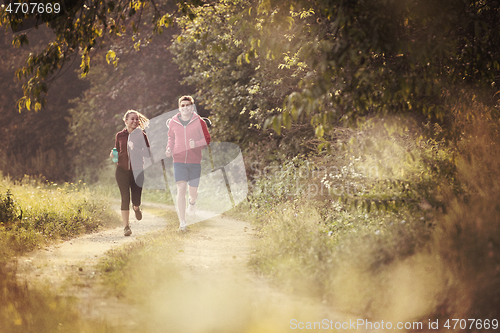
x=39 y=213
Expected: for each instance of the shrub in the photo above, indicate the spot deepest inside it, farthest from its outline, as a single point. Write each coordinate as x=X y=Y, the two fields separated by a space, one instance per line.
x=8 y=208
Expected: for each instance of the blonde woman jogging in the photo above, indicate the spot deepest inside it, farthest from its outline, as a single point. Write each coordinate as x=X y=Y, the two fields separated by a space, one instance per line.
x=130 y=186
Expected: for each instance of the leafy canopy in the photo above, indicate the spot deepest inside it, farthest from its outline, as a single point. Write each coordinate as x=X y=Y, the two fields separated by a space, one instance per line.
x=350 y=58
x=321 y=60
x=78 y=28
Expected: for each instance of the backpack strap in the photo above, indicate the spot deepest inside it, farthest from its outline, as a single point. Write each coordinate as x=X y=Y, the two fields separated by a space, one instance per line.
x=207 y=121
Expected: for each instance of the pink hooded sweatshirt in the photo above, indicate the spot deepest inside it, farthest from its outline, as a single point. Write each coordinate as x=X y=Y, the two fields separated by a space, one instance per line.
x=179 y=136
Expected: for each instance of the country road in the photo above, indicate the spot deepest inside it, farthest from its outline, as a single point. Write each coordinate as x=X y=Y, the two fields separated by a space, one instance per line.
x=212 y=290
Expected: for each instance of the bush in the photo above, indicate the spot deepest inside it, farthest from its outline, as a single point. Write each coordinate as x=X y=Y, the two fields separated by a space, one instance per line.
x=8 y=208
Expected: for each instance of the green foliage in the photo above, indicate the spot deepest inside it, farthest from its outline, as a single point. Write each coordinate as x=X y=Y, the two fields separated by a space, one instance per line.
x=266 y=64
x=331 y=61
x=71 y=137
x=240 y=89
x=8 y=208
x=34 y=142
x=393 y=56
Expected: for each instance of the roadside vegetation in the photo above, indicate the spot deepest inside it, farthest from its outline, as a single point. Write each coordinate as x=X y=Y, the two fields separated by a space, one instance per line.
x=377 y=188
x=391 y=223
x=34 y=213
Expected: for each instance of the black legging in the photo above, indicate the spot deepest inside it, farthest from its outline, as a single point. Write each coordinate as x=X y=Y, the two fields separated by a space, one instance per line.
x=127 y=185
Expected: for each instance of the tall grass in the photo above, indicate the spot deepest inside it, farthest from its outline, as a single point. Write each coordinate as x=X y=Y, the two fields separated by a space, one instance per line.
x=468 y=235
x=40 y=212
x=50 y=163
x=418 y=239
x=30 y=311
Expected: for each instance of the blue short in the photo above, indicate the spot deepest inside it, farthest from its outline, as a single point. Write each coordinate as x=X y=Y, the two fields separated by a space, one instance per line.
x=188 y=172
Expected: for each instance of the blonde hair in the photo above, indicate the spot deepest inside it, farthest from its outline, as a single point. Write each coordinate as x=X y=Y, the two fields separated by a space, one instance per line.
x=186 y=98
x=143 y=120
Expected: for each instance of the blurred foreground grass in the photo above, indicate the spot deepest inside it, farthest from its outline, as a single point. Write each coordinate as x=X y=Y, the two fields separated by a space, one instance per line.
x=170 y=292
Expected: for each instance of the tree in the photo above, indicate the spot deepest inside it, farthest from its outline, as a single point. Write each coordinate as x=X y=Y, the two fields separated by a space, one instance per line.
x=384 y=56
x=355 y=57
x=349 y=58
x=34 y=143
x=147 y=81
x=79 y=27
x=240 y=88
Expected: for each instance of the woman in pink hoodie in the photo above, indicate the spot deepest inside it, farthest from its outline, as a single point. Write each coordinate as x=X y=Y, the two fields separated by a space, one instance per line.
x=187 y=136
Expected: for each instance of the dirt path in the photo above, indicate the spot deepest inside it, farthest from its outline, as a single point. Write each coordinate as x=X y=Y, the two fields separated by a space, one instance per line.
x=54 y=264
x=215 y=290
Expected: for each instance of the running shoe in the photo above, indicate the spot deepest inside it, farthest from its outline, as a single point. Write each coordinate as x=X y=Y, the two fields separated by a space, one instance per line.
x=127 y=231
x=138 y=214
x=183 y=226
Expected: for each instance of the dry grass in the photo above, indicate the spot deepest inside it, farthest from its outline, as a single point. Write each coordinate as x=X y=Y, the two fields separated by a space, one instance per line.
x=431 y=253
